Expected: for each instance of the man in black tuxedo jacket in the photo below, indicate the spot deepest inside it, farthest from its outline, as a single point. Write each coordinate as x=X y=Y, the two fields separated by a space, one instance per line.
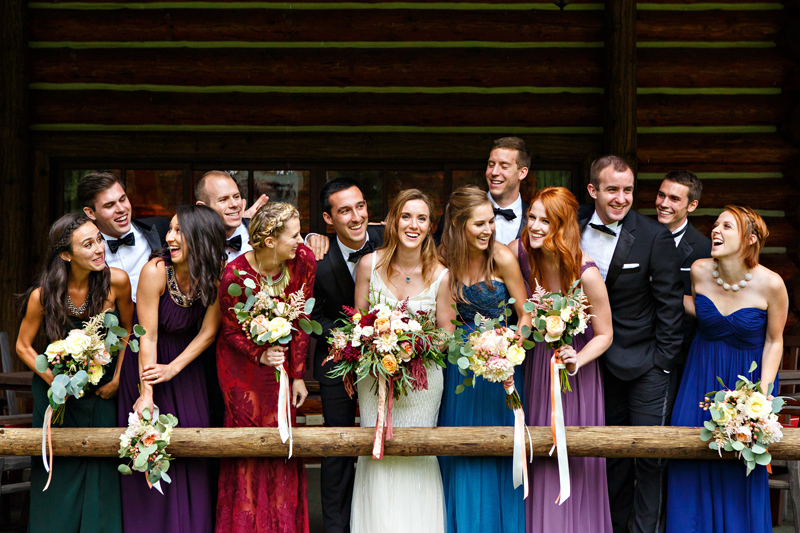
x=129 y=242
x=343 y=207
x=636 y=256
x=678 y=196
x=507 y=166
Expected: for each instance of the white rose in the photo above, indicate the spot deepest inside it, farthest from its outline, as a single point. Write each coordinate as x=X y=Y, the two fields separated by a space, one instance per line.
x=554 y=327
x=281 y=309
x=757 y=406
x=279 y=328
x=367 y=331
x=77 y=342
x=516 y=355
x=566 y=314
x=413 y=325
x=124 y=441
x=54 y=349
x=259 y=325
x=384 y=311
x=398 y=324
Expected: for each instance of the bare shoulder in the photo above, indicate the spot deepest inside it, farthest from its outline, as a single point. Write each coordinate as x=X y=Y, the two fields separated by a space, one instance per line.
x=586 y=258
x=514 y=247
x=118 y=277
x=154 y=267
x=34 y=304
x=365 y=263
x=772 y=280
x=502 y=255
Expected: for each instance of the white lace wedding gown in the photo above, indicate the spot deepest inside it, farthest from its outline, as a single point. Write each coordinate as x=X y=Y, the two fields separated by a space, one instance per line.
x=400 y=494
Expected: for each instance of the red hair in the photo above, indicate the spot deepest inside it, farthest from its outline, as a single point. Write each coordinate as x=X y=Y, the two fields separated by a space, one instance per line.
x=750 y=223
x=563 y=240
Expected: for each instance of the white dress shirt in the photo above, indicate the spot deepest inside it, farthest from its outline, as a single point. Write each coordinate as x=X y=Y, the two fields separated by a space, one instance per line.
x=131 y=259
x=506 y=231
x=600 y=246
x=346 y=253
x=682 y=233
x=242 y=232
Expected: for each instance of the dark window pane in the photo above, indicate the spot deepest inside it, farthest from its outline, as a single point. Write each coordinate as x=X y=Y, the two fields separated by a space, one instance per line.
x=71 y=180
x=239 y=176
x=154 y=193
x=469 y=177
x=371 y=184
x=431 y=182
x=552 y=178
x=291 y=186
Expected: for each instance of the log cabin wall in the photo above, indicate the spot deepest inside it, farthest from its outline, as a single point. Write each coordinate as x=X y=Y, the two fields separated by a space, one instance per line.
x=424 y=81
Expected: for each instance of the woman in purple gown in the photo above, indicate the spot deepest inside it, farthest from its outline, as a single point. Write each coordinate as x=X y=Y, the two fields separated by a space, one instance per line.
x=176 y=291
x=549 y=254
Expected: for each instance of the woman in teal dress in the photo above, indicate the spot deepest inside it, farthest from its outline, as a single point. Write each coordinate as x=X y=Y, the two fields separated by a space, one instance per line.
x=738 y=322
x=479 y=492
x=76 y=284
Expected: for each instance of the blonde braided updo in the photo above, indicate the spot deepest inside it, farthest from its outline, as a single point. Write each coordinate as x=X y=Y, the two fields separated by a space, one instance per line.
x=270 y=221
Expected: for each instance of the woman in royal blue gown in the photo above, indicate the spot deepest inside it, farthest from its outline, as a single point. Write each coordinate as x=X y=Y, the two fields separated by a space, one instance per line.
x=738 y=322
x=479 y=492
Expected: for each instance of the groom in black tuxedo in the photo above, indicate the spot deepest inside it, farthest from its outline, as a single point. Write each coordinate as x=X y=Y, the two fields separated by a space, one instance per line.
x=638 y=261
x=343 y=207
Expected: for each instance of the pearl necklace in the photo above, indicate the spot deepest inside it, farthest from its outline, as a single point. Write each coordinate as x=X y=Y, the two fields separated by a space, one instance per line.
x=736 y=286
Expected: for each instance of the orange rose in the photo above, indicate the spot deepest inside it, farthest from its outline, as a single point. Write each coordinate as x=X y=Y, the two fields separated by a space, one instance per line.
x=150 y=437
x=382 y=325
x=407 y=351
x=389 y=363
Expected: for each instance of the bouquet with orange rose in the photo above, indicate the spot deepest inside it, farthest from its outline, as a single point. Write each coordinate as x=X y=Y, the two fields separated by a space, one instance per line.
x=743 y=420
x=144 y=443
x=557 y=318
x=395 y=345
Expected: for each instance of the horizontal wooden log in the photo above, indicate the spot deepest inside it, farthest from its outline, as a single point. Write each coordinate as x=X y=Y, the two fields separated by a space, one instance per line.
x=405 y=67
x=667 y=442
x=272 y=25
x=712 y=110
x=281 y=109
x=326 y=67
x=715 y=167
x=761 y=194
x=289 y=25
x=470 y=149
x=421 y=2
x=719 y=149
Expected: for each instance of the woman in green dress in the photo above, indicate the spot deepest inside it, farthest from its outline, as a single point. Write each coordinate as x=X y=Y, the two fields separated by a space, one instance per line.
x=76 y=284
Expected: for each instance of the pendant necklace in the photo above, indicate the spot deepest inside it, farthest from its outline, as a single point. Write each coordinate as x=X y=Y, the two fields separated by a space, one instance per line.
x=736 y=286
x=408 y=276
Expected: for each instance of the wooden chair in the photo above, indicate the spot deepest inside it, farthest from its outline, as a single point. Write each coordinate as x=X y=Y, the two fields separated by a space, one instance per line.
x=786 y=474
x=12 y=463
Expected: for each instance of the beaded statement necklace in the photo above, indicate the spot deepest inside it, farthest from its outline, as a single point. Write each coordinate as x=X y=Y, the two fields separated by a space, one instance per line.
x=276 y=287
x=175 y=291
x=736 y=286
x=77 y=311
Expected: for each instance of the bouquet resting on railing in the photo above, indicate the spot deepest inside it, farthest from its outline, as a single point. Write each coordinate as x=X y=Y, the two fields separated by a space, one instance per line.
x=144 y=443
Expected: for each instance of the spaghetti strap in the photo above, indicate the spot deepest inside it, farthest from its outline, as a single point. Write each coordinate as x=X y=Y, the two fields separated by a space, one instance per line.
x=587 y=265
x=374 y=255
x=441 y=275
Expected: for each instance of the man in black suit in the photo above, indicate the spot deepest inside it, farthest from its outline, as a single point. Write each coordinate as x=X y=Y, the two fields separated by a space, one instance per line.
x=129 y=242
x=343 y=207
x=678 y=196
x=637 y=259
x=507 y=166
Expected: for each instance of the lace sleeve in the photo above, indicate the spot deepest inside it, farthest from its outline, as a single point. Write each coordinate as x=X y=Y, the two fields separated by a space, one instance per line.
x=232 y=333
x=304 y=269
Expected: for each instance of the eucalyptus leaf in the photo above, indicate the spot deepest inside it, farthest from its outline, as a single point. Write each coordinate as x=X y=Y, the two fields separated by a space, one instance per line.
x=138 y=330
x=118 y=331
x=728 y=447
x=705 y=434
x=713 y=445
x=285 y=340
x=125 y=470
x=528 y=307
x=41 y=363
x=111 y=339
x=709 y=425
x=251 y=300
x=134 y=344
x=721 y=382
x=466 y=350
x=166 y=477
x=753 y=367
x=538 y=337
x=150 y=449
x=140 y=462
x=459 y=389
x=764 y=459
x=316 y=327
x=751 y=465
x=80 y=379
x=463 y=362
x=234 y=290
x=469 y=382
x=477 y=319
x=525 y=331
x=770 y=388
x=309 y=306
x=248 y=292
x=719 y=397
x=59 y=389
x=528 y=344
x=757 y=449
x=305 y=325
x=777 y=404
x=738 y=446
x=749 y=454
x=507 y=311
x=250 y=283
x=146 y=414
x=110 y=320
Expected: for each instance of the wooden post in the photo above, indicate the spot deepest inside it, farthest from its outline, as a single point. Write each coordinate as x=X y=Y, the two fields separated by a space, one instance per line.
x=15 y=198
x=669 y=442
x=619 y=125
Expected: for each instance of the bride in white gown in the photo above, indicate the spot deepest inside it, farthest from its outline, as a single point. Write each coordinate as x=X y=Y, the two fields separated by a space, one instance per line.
x=403 y=494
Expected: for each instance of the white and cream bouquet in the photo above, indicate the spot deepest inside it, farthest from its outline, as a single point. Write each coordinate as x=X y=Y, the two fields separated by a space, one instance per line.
x=743 y=420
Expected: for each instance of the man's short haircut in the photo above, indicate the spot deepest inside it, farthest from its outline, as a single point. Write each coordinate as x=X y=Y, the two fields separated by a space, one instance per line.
x=93 y=184
x=200 y=188
x=687 y=178
x=514 y=143
x=601 y=163
x=334 y=186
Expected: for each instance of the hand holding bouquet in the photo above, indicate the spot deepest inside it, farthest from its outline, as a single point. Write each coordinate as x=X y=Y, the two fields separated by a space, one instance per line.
x=743 y=420
x=557 y=319
x=144 y=443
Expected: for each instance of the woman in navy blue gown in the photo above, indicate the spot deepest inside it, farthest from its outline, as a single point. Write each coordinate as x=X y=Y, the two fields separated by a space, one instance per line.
x=741 y=309
x=479 y=492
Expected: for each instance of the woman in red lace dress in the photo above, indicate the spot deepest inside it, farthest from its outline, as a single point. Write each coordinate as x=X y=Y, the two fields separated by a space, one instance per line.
x=263 y=494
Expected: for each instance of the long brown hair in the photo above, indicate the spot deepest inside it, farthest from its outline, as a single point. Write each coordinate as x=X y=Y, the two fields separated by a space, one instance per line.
x=53 y=282
x=430 y=256
x=454 y=241
x=563 y=240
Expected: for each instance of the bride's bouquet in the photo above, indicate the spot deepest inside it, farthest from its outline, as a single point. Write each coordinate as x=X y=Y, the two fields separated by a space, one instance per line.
x=743 y=421
x=77 y=362
x=393 y=344
x=270 y=320
x=144 y=443
x=557 y=318
x=492 y=351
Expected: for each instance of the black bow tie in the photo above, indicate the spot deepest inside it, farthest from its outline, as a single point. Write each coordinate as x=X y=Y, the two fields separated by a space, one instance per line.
x=508 y=214
x=604 y=229
x=235 y=242
x=680 y=231
x=366 y=249
x=126 y=240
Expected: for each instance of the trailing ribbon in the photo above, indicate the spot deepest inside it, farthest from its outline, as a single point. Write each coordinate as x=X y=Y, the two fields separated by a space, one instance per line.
x=520 y=468
x=47 y=442
x=157 y=484
x=285 y=409
x=557 y=429
x=377 y=443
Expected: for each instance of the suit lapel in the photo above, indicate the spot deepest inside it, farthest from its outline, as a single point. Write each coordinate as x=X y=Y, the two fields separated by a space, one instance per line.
x=624 y=245
x=150 y=235
x=523 y=220
x=685 y=248
x=341 y=274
